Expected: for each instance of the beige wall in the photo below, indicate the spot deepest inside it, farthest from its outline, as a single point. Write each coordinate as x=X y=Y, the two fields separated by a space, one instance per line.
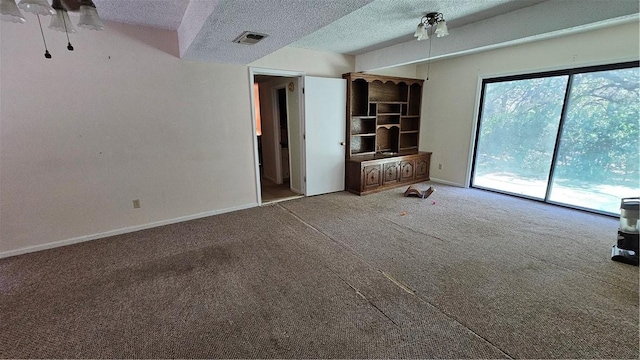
x=407 y=71
x=86 y=132
x=121 y=118
x=449 y=100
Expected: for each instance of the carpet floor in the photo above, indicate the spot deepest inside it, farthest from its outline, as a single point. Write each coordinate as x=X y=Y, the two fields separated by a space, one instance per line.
x=473 y=275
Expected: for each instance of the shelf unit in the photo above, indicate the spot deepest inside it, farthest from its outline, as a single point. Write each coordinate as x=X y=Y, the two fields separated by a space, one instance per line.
x=384 y=114
x=383 y=130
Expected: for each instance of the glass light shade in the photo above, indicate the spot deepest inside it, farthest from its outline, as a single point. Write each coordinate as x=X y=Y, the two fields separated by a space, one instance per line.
x=9 y=12
x=59 y=20
x=418 y=30
x=38 y=7
x=441 y=29
x=421 y=32
x=89 y=18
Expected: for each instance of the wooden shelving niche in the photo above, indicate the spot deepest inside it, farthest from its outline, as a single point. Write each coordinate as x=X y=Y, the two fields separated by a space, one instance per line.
x=383 y=128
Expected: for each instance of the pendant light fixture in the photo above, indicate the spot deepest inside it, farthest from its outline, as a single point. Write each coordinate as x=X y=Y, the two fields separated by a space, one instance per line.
x=38 y=7
x=432 y=20
x=61 y=22
x=89 y=19
x=9 y=12
x=47 y=55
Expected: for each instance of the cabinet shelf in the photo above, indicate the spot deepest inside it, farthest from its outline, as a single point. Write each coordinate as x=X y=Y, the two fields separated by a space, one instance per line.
x=384 y=114
x=363 y=125
x=380 y=90
x=415 y=98
x=388 y=120
x=365 y=153
x=410 y=124
x=383 y=138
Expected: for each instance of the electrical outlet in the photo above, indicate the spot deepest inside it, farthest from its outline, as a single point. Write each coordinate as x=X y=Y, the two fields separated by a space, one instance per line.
x=439 y=166
x=136 y=204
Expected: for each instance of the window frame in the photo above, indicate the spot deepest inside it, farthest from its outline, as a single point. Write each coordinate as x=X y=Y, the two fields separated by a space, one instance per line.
x=535 y=75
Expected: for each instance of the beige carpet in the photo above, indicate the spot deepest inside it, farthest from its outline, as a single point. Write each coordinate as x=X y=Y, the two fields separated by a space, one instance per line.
x=475 y=275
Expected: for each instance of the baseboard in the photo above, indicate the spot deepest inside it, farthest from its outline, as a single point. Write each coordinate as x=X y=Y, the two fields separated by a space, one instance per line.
x=445 y=182
x=130 y=229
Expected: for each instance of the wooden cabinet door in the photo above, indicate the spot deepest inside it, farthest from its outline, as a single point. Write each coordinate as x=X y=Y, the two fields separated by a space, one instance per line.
x=422 y=168
x=406 y=170
x=391 y=173
x=371 y=177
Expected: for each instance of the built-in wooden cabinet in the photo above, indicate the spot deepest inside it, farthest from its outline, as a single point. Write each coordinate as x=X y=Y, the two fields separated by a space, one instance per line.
x=383 y=130
x=368 y=174
x=383 y=114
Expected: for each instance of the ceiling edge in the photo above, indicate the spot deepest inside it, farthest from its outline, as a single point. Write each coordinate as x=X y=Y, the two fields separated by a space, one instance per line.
x=195 y=16
x=561 y=18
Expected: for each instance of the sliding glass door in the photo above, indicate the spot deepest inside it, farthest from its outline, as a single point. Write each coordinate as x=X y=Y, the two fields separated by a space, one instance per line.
x=518 y=126
x=567 y=137
x=598 y=152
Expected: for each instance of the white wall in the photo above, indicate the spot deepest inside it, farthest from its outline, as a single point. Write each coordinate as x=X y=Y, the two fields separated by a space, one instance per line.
x=86 y=132
x=449 y=98
x=313 y=63
x=122 y=118
x=296 y=144
x=407 y=71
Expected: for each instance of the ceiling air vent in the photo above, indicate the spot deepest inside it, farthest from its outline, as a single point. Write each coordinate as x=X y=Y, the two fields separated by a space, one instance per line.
x=249 y=38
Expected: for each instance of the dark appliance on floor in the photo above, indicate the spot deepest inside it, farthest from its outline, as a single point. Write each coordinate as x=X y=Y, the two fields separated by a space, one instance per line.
x=626 y=250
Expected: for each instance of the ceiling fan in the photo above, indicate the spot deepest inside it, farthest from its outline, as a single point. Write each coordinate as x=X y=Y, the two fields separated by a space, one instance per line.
x=58 y=10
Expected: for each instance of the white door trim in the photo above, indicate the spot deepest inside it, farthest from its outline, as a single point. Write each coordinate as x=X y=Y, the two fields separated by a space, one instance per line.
x=303 y=140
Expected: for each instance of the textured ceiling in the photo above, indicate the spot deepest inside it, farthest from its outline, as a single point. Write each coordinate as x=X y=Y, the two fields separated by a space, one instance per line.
x=284 y=21
x=163 y=14
x=371 y=29
x=387 y=22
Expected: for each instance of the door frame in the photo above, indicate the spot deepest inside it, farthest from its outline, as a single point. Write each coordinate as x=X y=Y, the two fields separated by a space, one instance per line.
x=299 y=76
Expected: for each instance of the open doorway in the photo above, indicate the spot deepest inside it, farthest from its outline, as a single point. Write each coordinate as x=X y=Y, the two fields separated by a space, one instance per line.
x=279 y=140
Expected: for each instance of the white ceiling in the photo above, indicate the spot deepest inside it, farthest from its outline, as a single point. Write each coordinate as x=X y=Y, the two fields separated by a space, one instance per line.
x=387 y=22
x=367 y=28
x=163 y=14
x=284 y=21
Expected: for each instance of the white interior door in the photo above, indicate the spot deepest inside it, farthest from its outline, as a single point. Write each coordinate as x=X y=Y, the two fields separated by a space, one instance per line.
x=324 y=110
